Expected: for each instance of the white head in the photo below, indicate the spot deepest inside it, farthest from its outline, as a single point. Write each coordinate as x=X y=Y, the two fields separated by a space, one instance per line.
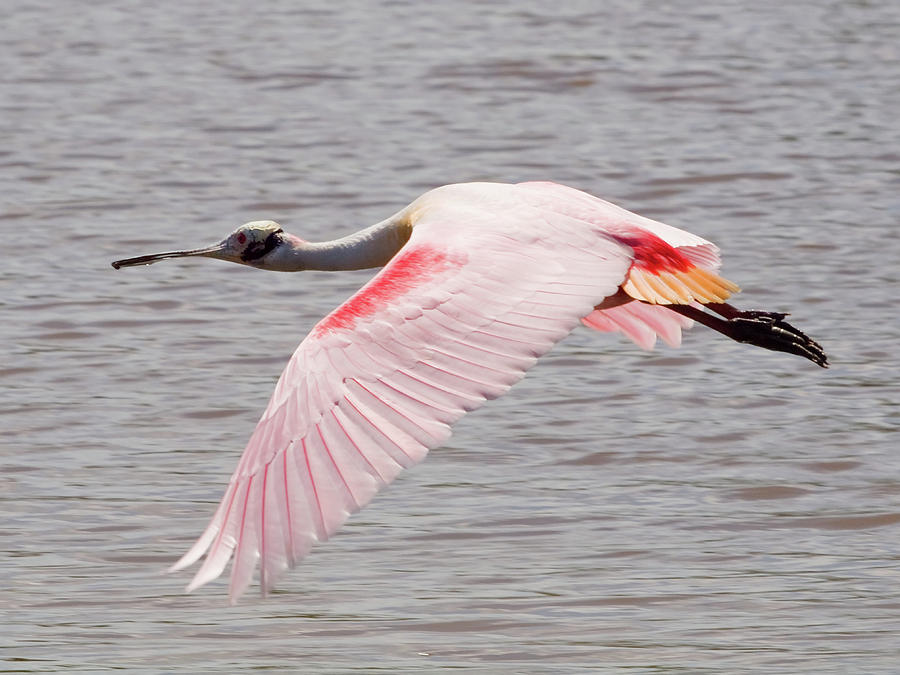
x=249 y=245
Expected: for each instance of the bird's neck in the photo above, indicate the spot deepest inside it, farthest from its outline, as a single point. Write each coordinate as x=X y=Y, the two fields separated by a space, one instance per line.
x=371 y=247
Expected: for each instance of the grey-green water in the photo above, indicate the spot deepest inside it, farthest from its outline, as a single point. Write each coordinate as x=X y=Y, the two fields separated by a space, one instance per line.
x=717 y=509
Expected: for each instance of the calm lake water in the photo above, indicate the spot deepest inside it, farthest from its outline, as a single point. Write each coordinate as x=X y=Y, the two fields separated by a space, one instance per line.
x=715 y=509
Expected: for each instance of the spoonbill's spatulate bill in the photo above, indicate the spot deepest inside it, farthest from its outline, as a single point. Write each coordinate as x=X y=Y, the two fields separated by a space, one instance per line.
x=478 y=281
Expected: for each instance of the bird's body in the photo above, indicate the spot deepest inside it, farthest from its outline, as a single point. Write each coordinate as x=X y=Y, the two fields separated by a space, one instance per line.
x=479 y=281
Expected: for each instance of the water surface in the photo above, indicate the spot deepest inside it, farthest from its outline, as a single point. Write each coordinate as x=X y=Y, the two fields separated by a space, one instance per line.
x=716 y=509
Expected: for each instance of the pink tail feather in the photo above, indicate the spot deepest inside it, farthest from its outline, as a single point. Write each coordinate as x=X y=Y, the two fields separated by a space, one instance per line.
x=640 y=322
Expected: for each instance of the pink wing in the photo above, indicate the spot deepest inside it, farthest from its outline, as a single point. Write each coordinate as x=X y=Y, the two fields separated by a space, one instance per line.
x=456 y=318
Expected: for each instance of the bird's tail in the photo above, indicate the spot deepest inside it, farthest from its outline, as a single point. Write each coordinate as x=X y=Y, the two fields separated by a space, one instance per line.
x=640 y=322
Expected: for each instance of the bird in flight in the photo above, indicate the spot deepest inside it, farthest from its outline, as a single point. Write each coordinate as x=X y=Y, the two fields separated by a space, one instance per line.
x=478 y=281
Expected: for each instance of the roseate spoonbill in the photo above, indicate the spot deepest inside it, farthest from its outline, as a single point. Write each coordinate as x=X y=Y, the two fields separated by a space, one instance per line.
x=478 y=281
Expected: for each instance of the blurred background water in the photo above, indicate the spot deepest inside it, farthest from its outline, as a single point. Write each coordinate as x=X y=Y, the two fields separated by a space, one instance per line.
x=716 y=509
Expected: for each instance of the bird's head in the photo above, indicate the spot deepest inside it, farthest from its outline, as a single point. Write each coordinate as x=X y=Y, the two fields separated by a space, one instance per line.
x=249 y=245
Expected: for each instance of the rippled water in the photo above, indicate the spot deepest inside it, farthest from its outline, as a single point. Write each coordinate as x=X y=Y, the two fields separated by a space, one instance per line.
x=717 y=509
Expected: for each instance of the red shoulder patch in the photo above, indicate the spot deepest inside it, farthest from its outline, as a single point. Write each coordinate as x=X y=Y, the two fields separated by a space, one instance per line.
x=407 y=271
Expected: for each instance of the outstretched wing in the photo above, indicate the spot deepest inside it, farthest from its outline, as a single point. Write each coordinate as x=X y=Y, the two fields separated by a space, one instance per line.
x=455 y=319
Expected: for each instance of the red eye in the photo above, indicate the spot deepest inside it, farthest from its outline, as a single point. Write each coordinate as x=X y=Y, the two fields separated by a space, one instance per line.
x=242 y=238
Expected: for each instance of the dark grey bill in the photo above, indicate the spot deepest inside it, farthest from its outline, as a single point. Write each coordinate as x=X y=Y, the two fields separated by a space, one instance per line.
x=155 y=257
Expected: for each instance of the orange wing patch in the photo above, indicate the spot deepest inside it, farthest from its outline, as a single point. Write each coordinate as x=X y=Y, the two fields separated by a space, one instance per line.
x=662 y=275
x=679 y=287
